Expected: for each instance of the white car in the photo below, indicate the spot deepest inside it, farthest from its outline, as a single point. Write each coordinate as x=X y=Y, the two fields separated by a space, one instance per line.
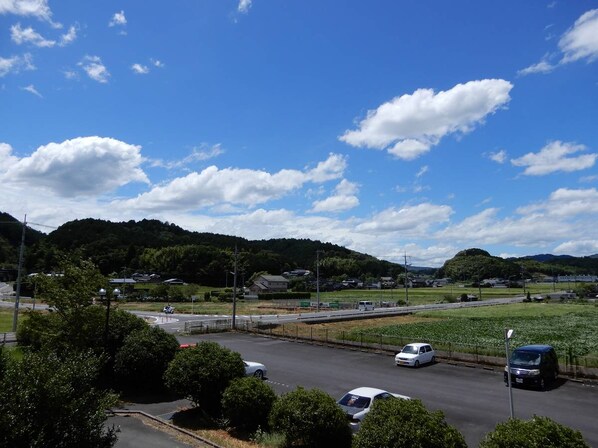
x=358 y=402
x=255 y=369
x=415 y=354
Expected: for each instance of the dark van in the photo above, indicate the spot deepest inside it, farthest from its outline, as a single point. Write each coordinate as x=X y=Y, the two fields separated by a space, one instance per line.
x=533 y=365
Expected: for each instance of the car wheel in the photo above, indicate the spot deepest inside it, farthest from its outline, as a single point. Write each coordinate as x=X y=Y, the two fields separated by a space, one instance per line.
x=416 y=364
x=542 y=384
x=259 y=374
x=433 y=360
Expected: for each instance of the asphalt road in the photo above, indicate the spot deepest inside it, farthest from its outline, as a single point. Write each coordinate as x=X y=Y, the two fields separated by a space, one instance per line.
x=474 y=400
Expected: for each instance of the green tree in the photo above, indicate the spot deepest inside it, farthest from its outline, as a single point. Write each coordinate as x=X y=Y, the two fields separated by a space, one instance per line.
x=48 y=401
x=538 y=432
x=406 y=423
x=247 y=403
x=311 y=418
x=142 y=360
x=202 y=373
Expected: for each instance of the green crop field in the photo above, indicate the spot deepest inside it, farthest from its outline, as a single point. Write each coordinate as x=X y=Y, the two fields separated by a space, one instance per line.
x=571 y=328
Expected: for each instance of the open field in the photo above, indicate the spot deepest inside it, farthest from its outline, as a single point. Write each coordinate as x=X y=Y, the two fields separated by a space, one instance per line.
x=570 y=327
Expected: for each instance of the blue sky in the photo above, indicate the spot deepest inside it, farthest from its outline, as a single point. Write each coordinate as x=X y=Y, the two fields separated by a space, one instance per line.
x=390 y=127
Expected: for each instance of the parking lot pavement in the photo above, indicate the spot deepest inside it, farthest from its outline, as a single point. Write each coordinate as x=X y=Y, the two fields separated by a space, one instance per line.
x=135 y=433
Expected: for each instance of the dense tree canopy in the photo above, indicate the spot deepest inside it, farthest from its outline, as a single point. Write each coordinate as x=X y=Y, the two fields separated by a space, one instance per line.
x=52 y=401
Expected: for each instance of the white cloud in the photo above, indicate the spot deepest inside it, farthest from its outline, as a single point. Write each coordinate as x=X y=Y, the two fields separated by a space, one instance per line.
x=7 y=160
x=485 y=228
x=83 y=166
x=413 y=220
x=29 y=35
x=31 y=89
x=499 y=157
x=423 y=170
x=69 y=74
x=92 y=65
x=157 y=63
x=540 y=67
x=140 y=69
x=553 y=158
x=332 y=168
x=244 y=6
x=567 y=203
x=15 y=64
x=244 y=187
x=577 y=43
x=200 y=153
x=409 y=125
x=578 y=248
x=581 y=41
x=69 y=37
x=343 y=199
x=118 y=19
x=34 y=8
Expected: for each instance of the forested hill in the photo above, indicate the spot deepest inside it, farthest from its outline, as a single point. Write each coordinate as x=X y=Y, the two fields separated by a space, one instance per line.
x=165 y=248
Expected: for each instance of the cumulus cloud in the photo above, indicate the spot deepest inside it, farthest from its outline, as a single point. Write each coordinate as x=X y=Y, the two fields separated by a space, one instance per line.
x=236 y=186
x=554 y=157
x=331 y=168
x=33 y=8
x=82 y=166
x=582 y=247
x=486 y=228
x=566 y=203
x=140 y=69
x=29 y=36
x=413 y=220
x=581 y=40
x=15 y=64
x=92 y=65
x=409 y=125
x=118 y=19
x=343 y=199
x=244 y=6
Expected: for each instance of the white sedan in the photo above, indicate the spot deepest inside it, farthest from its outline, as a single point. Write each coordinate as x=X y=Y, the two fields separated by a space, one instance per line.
x=415 y=354
x=255 y=369
x=357 y=403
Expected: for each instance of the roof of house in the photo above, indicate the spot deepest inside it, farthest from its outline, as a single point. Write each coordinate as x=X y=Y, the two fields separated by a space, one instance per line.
x=274 y=278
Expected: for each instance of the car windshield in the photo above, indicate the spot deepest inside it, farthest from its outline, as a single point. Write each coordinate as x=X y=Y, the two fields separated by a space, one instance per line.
x=410 y=349
x=354 y=401
x=524 y=359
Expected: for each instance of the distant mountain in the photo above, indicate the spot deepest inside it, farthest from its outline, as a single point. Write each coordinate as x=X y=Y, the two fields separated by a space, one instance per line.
x=547 y=257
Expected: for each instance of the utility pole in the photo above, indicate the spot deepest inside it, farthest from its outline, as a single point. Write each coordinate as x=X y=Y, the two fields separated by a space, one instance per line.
x=15 y=316
x=406 y=282
x=318 y=278
x=234 y=325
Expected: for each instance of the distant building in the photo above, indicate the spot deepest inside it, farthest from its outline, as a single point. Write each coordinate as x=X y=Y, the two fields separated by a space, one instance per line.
x=269 y=283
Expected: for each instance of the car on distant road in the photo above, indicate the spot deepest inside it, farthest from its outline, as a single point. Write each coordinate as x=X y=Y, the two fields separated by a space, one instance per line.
x=416 y=354
x=357 y=403
x=255 y=369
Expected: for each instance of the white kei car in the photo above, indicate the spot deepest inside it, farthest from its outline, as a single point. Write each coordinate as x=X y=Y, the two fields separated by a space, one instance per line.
x=255 y=369
x=357 y=403
x=415 y=354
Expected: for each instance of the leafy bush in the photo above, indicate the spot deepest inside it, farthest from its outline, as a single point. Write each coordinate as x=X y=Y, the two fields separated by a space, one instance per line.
x=49 y=401
x=143 y=358
x=537 y=432
x=311 y=418
x=406 y=423
x=247 y=403
x=203 y=372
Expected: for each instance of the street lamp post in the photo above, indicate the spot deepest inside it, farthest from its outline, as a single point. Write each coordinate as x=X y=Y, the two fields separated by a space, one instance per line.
x=508 y=336
x=104 y=295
